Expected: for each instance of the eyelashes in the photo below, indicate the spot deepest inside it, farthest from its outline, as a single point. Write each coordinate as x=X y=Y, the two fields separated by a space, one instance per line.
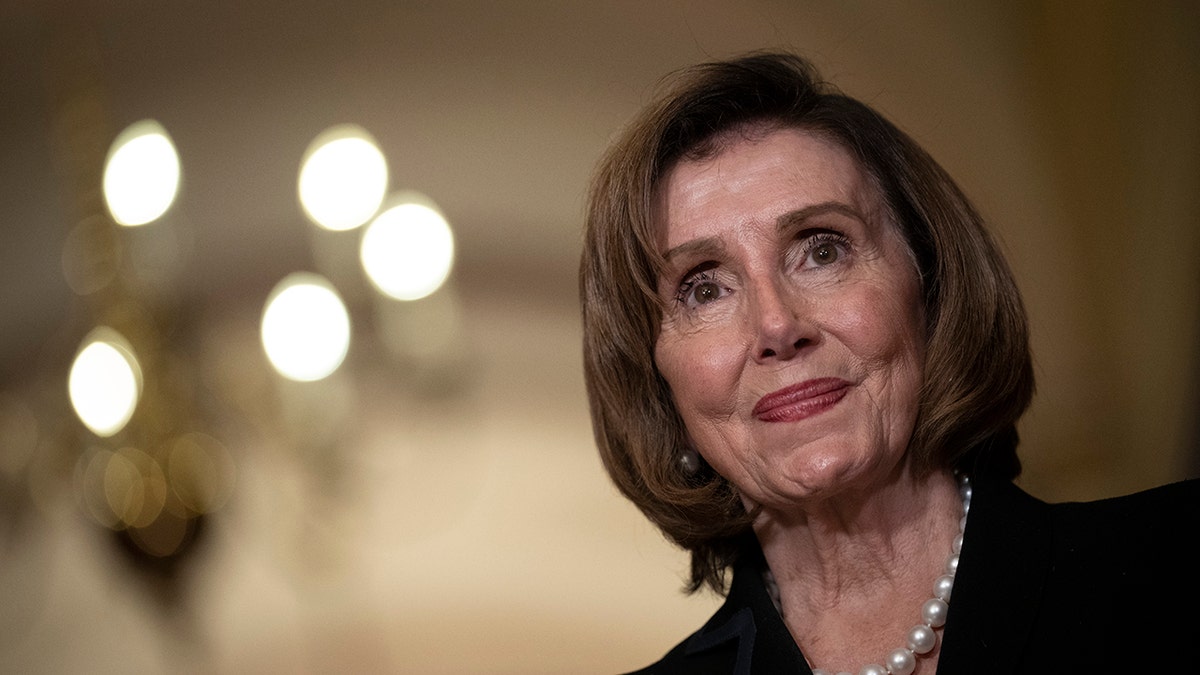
x=823 y=248
x=700 y=287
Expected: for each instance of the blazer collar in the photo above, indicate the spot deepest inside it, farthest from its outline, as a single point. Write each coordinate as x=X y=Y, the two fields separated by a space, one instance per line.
x=749 y=620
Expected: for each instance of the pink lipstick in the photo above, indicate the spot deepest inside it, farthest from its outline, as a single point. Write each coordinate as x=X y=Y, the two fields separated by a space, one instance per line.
x=801 y=400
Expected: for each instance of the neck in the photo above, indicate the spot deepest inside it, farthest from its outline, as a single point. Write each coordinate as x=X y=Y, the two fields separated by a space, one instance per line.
x=853 y=569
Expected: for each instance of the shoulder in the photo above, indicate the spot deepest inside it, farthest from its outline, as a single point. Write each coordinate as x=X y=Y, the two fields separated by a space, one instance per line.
x=1177 y=493
x=1117 y=545
x=1123 y=571
x=1075 y=587
x=694 y=655
x=679 y=662
x=1126 y=519
x=1151 y=517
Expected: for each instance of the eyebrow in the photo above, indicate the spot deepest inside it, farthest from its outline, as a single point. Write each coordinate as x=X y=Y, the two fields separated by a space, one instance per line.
x=788 y=221
x=707 y=245
x=794 y=219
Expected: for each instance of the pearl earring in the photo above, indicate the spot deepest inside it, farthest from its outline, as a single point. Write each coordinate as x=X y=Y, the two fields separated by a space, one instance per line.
x=689 y=461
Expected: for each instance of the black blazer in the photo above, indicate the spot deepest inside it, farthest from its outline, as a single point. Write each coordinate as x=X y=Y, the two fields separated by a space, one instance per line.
x=1099 y=587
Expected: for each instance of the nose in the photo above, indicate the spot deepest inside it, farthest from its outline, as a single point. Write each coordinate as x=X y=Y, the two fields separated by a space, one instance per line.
x=782 y=327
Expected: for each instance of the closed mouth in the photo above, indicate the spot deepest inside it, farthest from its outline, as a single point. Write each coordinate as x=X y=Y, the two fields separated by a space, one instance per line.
x=801 y=400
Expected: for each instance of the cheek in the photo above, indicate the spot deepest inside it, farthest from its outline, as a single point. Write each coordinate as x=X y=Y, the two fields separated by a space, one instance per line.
x=884 y=335
x=883 y=330
x=702 y=370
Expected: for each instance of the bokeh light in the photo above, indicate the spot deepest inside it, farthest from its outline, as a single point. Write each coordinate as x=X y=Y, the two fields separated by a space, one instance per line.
x=305 y=328
x=128 y=490
x=91 y=255
x=408 y=250
x=202 y=473
x=135 y=487
x=163 y=536
x=90 y=476
x=105 y=382
x=343 y=178
x=141 y=174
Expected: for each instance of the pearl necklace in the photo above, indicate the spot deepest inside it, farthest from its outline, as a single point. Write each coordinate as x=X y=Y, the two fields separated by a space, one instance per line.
x=921 y=638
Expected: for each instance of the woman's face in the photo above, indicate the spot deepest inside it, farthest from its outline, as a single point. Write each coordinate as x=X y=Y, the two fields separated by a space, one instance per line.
x=793 y=340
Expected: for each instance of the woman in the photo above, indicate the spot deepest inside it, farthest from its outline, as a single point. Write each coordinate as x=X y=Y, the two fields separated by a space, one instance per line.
x=805 y=360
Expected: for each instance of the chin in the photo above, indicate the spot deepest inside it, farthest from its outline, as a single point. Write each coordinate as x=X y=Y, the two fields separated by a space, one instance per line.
x=825 y=472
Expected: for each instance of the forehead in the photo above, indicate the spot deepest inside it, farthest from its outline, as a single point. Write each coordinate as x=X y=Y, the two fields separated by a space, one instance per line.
x=757 y=177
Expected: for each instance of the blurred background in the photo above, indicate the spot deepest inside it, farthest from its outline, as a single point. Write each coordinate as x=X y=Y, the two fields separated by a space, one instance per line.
x=400 y=476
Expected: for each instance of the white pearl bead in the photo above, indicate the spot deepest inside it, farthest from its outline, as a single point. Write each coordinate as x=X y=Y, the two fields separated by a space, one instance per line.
x=921 y=639
x=842 y=672
x=934 y=612
x=962 y=524
x=952 y=565
x=942 y=587
x=818 y=671
x=873 y=669
x=901 y=662
x=956 y=544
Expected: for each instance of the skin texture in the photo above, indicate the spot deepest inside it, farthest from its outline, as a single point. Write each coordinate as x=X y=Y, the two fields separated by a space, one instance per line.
x=784 y=269
x=793 y=344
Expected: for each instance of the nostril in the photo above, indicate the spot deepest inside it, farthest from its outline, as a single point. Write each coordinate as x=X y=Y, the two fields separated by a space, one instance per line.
x=768 y=352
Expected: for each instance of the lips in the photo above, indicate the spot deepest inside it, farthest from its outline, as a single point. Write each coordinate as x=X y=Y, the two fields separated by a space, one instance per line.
x=801 y=400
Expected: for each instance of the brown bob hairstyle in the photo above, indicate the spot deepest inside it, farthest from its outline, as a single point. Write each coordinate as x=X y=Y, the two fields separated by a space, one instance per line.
x=978 y=377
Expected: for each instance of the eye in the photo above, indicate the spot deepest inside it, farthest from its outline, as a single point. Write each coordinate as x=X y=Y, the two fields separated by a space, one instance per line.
x=700 y=289
x=705 y=292
x=824 y=253
x=823 y=249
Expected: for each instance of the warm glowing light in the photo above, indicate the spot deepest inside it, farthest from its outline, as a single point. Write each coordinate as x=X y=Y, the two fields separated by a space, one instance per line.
x=343 y=178
x=141 y=175
x=305 y=328
x=407 y=251
x=105 y=382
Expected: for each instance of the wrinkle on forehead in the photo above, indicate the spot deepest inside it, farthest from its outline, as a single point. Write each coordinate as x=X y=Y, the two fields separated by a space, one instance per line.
x=837 y=173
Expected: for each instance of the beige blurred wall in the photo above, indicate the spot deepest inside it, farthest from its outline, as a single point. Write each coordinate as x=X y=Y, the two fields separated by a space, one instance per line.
x=1116 y=89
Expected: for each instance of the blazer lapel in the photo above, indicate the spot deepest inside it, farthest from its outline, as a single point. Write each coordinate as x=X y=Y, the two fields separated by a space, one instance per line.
x=1000 y=580
x=740 y=628
x=749 y=620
